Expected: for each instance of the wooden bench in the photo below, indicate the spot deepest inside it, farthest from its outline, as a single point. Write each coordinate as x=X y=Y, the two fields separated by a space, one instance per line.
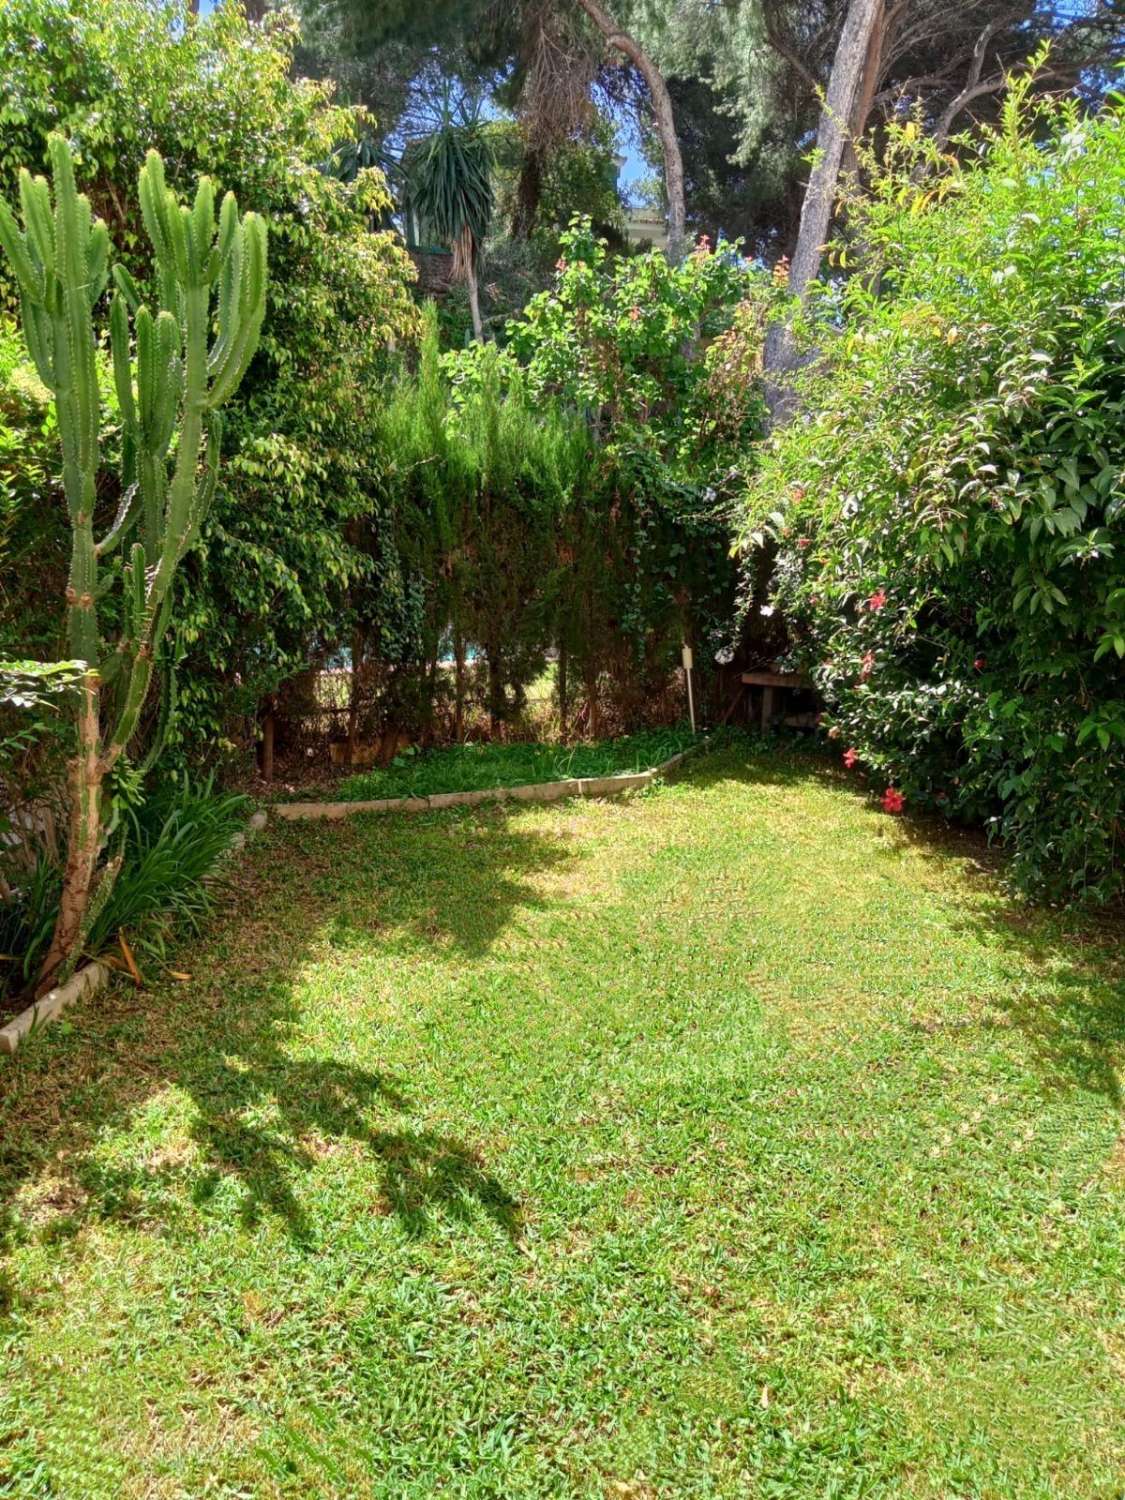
x=771 y=684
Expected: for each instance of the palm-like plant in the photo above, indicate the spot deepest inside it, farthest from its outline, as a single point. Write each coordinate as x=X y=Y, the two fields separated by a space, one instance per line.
x=450 y=193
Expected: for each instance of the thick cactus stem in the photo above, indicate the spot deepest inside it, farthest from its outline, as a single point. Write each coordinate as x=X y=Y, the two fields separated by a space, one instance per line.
x=169 y=387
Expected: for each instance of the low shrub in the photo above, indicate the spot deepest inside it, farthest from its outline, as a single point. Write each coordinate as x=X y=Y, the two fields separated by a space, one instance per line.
x=169 y=880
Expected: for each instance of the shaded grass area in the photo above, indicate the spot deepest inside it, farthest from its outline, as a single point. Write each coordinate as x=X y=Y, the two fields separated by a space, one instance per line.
x=473 y=768
x=734 y=1141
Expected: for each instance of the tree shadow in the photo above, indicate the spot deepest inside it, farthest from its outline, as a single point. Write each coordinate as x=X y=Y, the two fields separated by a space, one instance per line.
x=1076 y=1032
x=261 y=1115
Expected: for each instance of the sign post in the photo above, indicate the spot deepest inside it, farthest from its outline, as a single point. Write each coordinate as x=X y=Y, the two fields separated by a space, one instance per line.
x=688 y=659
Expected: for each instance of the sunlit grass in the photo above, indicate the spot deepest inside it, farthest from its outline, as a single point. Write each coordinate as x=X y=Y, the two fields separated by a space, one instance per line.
x=735 y=1141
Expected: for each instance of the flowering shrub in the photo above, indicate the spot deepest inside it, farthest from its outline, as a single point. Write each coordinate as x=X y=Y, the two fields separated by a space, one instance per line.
x=662 y=357
x=949 y=516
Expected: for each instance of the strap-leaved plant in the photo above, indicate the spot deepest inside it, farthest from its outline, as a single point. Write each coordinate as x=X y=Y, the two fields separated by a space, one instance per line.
x=171 y=376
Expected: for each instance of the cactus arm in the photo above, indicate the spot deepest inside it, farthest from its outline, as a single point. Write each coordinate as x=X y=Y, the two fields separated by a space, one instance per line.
x=247 y=313
x=169 y=387
x=15 y=247
x=39 y=335
x=127 y=512
x=127 y=287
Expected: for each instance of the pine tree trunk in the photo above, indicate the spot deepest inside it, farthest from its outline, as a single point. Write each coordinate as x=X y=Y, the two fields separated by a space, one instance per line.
x=665 y=121
x=820 y=195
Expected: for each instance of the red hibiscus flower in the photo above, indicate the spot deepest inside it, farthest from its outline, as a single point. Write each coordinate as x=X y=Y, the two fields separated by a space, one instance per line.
x=980 y=664
x=893 y=801
x=804 y=541
x=877 y=600
x=850 y=758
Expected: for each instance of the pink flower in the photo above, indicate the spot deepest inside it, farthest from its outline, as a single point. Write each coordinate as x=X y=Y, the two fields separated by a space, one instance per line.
x=867 y=666
x=980 y=664
x=804 y=541
x=893 y=801
x=850 y=758
x=877 y=600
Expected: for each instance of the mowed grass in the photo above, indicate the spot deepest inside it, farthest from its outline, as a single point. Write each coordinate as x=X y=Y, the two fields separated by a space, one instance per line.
x=737 y=1140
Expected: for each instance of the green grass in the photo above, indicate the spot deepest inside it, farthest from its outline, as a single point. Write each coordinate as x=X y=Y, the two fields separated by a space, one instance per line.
x=735 y=1141
x=473 y=768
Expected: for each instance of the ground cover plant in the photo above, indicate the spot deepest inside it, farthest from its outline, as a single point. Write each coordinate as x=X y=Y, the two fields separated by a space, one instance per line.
x=740 y=1140
x=470 y=768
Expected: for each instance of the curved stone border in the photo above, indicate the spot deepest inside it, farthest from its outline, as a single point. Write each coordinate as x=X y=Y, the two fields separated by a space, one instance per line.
x=531 y=791
x=93 y=976
x=88 y=980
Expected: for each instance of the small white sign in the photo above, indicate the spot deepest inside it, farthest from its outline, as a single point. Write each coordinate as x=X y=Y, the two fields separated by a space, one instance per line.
x=688 y=659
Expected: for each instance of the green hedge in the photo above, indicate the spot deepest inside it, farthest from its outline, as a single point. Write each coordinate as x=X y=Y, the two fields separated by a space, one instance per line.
x=950 y=512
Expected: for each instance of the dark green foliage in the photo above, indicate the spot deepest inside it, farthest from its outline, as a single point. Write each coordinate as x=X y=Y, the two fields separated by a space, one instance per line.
x=300 y=465
x=449 y=189
x=178 y=838
x=951 y=512
x=571 y=488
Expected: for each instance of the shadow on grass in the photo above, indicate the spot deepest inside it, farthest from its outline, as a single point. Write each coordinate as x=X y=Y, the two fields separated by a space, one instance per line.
x=1077 y=1033
x=261 y=1117
x=266 y=1105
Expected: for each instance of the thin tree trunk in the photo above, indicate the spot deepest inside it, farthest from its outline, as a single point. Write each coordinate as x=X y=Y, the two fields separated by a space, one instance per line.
x=562 y=692
x=868 y=85
x=820 y=194
x=269 y=734
x=474 y=302
x=496 y=704
x=353 y=705
x=529 y=190
x=459 y=688
x=665 y=120
x=84 y=840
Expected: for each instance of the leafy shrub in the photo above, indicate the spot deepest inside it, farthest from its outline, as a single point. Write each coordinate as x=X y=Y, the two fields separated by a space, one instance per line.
x=177 y=842
x=949 y=512
x=300 y=462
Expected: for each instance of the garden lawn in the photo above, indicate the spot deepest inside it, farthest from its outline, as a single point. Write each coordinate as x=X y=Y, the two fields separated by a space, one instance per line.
x=736 y=1140
x=474 y=768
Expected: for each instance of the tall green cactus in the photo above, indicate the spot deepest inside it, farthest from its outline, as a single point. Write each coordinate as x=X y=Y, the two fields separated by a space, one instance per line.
x=169 y=384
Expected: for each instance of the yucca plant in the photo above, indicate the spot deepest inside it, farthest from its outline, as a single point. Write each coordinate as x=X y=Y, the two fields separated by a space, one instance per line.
x=450 y=192
x=171 y=377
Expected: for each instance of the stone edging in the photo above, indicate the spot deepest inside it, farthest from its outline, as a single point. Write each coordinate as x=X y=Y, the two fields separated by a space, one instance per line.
x=88 y=980
x=532 y=791
x=93 y=976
